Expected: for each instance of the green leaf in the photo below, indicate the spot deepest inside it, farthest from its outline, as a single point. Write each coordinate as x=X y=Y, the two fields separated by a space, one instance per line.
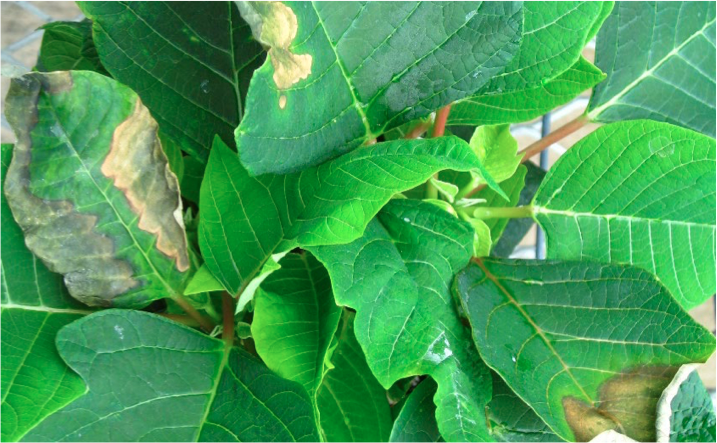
x=482 y=241
x=203 y=281
x=247 y=219
x=496 y=148
x=660 y=61
x=512 y=188
x=295 y=318
x=554 y=35
x=640 y=193
x=521 y=105
x=91 y=188
x=191 y=181
x=150 y=379
x=353 y=405
x=685 y=412
x=339 y=74
x=397 y=278
x=190 y=63
x=417 y=419
x=68 y=46
x=516 y=228
x=512 y=419
x=548 y=329
x=35 y=305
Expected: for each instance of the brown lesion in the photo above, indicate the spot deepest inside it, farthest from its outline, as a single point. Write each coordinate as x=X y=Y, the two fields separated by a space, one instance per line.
x=139 y=168
x=627 y=404
x=65 y=240
x=275 y=25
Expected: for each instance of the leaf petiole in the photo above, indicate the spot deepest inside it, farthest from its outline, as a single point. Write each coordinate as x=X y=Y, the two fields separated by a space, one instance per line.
x=483 y=213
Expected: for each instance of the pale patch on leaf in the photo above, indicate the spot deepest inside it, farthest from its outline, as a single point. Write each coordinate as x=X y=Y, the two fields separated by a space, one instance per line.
x=274 y=25
x=139 y=168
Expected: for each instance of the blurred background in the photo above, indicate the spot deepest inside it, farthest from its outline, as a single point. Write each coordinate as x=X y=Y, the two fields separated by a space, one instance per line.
x=20 y=42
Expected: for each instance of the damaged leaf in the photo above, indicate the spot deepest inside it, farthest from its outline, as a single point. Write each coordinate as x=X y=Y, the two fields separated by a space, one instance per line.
x=589 y=347
x=322 y=93
x=107 y=215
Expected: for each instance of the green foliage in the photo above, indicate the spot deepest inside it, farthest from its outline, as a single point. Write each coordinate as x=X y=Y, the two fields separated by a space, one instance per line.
x=666 y=72
x=304 y=251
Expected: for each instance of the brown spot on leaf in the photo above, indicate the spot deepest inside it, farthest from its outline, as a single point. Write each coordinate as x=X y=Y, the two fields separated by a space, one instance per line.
x=65 y=240
x=627 y=404
x=139 y=168
x=275 y=25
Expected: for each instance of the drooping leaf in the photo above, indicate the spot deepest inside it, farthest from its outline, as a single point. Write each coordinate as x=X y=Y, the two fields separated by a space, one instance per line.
x=516 y=228
x=352 y=404
x=68 y=46
x=295 y=318
x=640 y=193
x=341 y=73
x=526 y=104
x=190 y=63
x=660 y=61
x=417 y=419
x=247 y=219
x=397 y=277
x=35 y=305
x=513 y=420
x=685 y=412
x=90 y=186
x=589 y=347
x=150 y=379
x=482 y=241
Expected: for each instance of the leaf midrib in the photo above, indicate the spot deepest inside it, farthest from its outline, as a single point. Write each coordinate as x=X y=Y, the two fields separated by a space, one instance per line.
x=595 y=113
x=538 y=210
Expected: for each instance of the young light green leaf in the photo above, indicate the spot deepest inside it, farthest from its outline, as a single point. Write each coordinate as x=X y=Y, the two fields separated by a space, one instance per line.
x=35 y=305
x=448 y=190
x=546 y=328
x=295 y=318
x=482 y=241
x=417 y=419
x=68 y=46
x=90 y=186
x=526 y=104
x=685 y=411
x=247 y=219
x=334 y=79
x=397 y=278
x=352 y=403
x=176 y=385
x=513 y=420
x=640 y=193
x=660 y=61
x=190 y=62
x=203 y=281
x=512 y=188
x=497 y=150
x=516 y=228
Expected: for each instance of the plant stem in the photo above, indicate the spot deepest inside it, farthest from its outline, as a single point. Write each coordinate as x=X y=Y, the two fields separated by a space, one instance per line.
x=439 y=127
x=417 y=130
x=483 y=213
x=204 y=322
x=553 y=137
x=228 y=312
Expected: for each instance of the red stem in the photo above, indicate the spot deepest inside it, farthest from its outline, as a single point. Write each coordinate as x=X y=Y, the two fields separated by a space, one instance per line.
x=439 y=127
x=228 y=314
